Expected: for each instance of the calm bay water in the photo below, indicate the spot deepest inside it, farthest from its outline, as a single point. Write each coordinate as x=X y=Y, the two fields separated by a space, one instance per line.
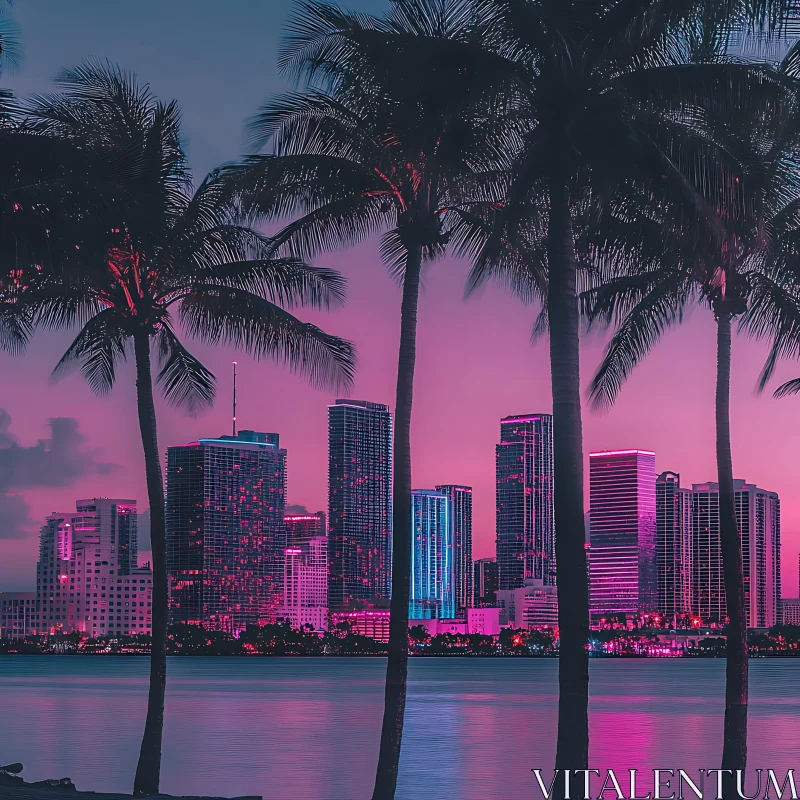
x=307 y=729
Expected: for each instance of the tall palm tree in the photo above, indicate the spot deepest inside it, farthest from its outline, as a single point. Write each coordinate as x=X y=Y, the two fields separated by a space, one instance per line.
x=394 y=132
x=162 y=255
x=667 y=264
x=602 y=94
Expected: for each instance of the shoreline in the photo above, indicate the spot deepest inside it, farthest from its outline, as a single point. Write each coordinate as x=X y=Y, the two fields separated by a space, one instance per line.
x=548 y=656
x=55 y=793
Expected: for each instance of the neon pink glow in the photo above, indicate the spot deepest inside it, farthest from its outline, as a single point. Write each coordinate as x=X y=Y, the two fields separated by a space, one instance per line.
x=621 y=453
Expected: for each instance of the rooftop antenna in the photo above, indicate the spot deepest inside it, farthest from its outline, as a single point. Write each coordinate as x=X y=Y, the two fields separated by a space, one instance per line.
x=234 y=399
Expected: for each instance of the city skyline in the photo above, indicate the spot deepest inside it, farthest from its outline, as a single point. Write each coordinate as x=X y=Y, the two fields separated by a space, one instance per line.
x=658 y=542
x=22 y=583
x=512 y=375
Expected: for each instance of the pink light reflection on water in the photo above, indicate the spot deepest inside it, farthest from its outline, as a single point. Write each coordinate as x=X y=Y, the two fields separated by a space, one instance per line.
x=308 y=728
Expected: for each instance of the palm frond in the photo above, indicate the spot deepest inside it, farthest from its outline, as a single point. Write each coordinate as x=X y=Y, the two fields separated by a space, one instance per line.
x=785 y=389
x=221 y=314
x=97 y=349
x=773 y=313
x=10 y=50
x=638 y=333
x=16 y=328
x=183 y=380
x=288 y=282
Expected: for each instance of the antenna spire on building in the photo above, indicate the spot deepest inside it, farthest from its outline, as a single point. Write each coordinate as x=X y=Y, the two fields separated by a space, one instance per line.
x=234 y=399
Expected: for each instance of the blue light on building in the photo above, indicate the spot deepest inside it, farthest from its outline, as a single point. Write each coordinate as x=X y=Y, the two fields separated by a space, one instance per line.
x=432 y=567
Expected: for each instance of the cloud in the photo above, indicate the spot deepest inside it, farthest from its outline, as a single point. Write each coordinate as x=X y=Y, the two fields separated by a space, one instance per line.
x=58 y=461
x=15 y=521
x=296 y=509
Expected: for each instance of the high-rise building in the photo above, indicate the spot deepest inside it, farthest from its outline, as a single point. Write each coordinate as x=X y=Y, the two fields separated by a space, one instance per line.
x=525 y=519
x=758 y=519
x=18 y=615
x=86 y=578
x=305 y=584
x=225 y=532
x=302 y=528
x=673 y=547
x=432 y=574
x=461 y=504
x=622 y=515
x=485 y=582
x=359 y=503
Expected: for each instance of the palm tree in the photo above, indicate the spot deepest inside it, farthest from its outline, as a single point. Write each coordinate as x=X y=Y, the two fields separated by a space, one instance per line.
x=666 y=264
x=394 y=133
x=160 y=256
x=602 y=88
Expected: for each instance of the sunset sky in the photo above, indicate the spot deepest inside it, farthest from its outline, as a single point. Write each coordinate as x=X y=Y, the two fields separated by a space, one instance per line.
x=475 y=362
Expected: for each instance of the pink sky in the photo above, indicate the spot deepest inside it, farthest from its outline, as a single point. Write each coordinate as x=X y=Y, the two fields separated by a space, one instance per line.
x=475 y=366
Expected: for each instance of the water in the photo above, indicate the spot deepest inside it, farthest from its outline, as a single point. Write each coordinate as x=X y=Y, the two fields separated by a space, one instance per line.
x=307 y=729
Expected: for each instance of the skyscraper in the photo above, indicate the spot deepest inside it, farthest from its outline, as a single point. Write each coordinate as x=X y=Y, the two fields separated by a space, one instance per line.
x=485 y=582
x=301 y=528
x=305 y=584
x=622 y=518
x=432 y=574
x=359 y=503
x=673 y=546
x=87 y=578
x=225 y=532
x=461 y=504
x=525 y=522
x=759 y=521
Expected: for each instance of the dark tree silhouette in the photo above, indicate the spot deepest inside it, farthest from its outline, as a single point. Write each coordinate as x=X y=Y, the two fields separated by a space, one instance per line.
x=395 y=132
x=601 y=87
x=727 y=265
x=161 y=249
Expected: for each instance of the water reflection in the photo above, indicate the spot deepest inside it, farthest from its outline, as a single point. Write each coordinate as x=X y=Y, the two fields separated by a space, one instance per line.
x=308 y=728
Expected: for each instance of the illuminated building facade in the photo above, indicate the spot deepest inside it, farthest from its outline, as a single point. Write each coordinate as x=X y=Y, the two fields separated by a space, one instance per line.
x=758 y=518
x=622 y=520
x=432 y=574
x=18 y=615
x=525 y=521
x=534 y=605
x=86 y=577
x=485 y=582
x=790 y=611
x=305 y=584
x=302 y=528
x=460 y=498
x=371 y=622
x=225 y=532
x=673 y=547
x=359 y=503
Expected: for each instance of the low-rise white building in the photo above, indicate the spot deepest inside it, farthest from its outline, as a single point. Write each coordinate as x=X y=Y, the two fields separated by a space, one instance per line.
x=305 y=585
x=790 y=611
x=533 y=605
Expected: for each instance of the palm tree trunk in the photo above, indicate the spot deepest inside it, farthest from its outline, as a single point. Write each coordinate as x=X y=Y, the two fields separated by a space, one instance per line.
x=734 y=750
x=148 y=770
x=397 y=665
x=572 y=746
